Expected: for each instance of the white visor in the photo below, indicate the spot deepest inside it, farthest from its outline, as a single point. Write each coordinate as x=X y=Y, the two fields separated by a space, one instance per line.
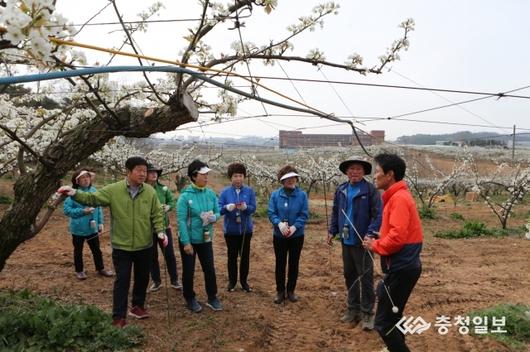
x=204 y=170
x=84 y=172
x=289 y=175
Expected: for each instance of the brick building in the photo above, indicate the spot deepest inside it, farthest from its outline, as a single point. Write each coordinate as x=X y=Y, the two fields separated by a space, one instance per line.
x=296 y=139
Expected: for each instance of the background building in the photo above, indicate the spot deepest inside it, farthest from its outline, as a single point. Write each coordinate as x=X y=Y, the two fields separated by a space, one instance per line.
x=296 y=139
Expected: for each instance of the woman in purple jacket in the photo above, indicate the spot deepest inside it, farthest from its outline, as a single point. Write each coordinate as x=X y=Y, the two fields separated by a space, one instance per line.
x=237 y=203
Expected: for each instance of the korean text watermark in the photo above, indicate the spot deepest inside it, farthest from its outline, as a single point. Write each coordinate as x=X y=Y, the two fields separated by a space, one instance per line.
x=443 y=324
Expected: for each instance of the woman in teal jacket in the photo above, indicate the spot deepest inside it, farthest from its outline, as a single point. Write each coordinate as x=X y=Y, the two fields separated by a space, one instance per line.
x=288 y=213
x=86 y=224
x=197 y=210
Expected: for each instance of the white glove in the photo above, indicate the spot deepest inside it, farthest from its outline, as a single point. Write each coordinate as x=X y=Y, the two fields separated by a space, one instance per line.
x=243 y=206
x=211 y=218
x=284 y=228
x=100 y=228
x=88 y=210
x=292 y=230
x=162 y=238
x=166 y=207
x=66 y=190
x=206 y=216
x=230 y=206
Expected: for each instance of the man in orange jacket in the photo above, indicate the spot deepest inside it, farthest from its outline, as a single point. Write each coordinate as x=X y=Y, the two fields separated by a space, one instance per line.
x=399 y=247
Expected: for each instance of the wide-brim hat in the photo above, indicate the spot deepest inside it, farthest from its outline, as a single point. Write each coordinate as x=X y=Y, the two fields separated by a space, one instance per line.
x=367 y=166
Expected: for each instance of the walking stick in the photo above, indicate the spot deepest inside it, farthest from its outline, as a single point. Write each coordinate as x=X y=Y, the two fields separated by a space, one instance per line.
x=327 y=223
x=167 y=288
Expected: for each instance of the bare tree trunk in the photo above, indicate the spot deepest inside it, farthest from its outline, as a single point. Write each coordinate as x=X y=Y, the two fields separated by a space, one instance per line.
x=33 y=189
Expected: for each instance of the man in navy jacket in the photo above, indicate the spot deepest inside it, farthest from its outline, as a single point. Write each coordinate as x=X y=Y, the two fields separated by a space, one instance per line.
x=361 y=203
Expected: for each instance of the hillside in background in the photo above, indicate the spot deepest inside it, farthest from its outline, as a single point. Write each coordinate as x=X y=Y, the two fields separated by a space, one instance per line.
x=463 y=136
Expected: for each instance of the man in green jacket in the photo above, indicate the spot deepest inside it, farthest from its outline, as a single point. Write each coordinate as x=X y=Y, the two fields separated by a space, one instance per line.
x=135 y=212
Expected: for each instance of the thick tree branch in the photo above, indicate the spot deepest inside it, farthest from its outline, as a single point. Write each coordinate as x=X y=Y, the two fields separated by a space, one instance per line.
x=31 y=191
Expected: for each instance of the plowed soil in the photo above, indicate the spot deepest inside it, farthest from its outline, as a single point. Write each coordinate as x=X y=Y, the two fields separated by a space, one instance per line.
x=459 y=276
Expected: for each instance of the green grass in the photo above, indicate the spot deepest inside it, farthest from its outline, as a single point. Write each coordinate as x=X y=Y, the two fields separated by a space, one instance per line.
x=261 y=212
x=29 y=322
x=427 y=213
x=470 y=229
x=457 y=216
x=5 y=200
x=517 y=325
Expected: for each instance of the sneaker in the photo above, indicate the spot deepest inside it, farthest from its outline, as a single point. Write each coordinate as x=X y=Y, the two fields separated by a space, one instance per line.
x=81 y=275
x=292 y=297
x=246 y=288
x=176 y=285
x=138 y=312
x=194 y=306
x=368 y=322
x=105 y=273
x=155 y=286
x=119 y=323
x=349 y=316
x=280 y=297
x=215 y=304
x=231 y=287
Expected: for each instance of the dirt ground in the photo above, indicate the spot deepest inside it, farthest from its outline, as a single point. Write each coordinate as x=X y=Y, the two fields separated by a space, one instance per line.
x=459 y=276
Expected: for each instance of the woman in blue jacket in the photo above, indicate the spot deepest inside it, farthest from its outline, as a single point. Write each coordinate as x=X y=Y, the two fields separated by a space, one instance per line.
x=288 y=213
x=237 y=203
x=86 y=224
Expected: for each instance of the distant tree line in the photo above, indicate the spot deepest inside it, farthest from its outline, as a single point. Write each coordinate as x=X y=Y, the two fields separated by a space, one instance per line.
x=465 y=137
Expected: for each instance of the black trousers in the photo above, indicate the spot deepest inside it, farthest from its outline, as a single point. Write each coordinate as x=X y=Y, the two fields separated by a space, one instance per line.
x=236 y=247
x=205 y=253
x=124 y=263
x=359 y=277
x=93 y=243
x=287 y=250
x=400 y=285
x=169 y=255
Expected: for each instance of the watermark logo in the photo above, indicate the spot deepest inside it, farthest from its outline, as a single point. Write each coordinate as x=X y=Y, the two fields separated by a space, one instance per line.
x=464 y=324
x=412 y=325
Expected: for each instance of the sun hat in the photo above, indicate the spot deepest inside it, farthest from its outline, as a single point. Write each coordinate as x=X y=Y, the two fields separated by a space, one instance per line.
x=367 y=166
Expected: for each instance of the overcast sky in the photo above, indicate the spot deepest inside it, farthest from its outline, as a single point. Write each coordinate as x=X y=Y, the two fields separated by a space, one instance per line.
x=474 y=45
